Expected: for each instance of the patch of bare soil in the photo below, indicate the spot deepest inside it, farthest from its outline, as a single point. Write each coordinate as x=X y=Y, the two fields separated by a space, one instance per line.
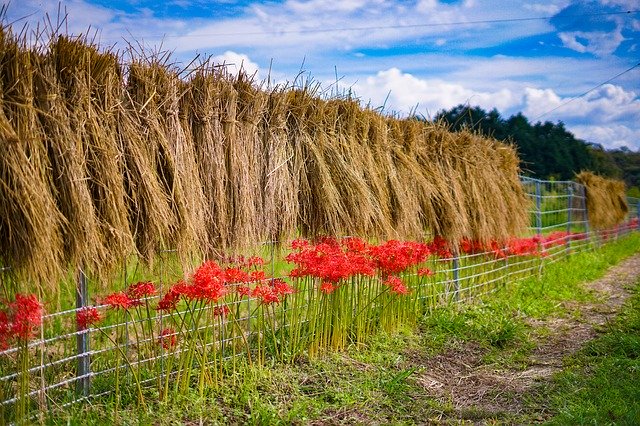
x=477 y=392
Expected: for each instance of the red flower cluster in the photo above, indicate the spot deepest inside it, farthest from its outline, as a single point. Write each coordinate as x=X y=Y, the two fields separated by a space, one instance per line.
x=477 y=247
x=20 y=319
x=523 y=246
x=327 y=288
x=557 y=238
x=170 y=300
x=208 y=283
x=141 y=290
x=332 y=261
x=441 y=248
x=273 y=292
x=530 y=246
x=329 y=260
x=87 y=316
x=266 y=294
x=236 y=275
x=118 y=300
x=394 y=257
x=243 y=291
x=281 y=287
x=396 y=286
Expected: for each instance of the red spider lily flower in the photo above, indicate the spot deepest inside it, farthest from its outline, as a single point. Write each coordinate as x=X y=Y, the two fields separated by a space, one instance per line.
x=208 y=283
x=361 y=264
x=522 y=246
x=425 y=272
x=243 y=291
x=168 y=338
x=281 y=288
x=141 y=289
x=354 y=244
x=555 y=238
x=5 y=330
x=396 y=285
x=255 y=261
x=26 y=315
x=296 y=273
x=394 y=257
x=118 y=301
x=266 y=294
x=325 y=260
x=181 y=288
x=221 y=311
x=472 y=247
x=87 y=316
x=327 y=287
x=299 y=243
x=236 y=275
x=257 y=276
x=441 y=248
x=169 y=301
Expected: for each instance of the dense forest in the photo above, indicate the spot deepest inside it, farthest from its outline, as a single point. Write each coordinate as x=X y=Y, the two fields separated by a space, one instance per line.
x=548 y=150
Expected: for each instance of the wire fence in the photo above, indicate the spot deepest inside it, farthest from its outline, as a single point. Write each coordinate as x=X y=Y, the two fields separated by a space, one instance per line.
x=67 y=365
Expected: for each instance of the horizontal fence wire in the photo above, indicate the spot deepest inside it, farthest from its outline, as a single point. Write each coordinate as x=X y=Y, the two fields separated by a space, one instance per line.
x=131 y=341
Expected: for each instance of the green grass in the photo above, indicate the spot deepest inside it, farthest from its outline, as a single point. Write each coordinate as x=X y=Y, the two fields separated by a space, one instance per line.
x=601 y=384
x=381 y=382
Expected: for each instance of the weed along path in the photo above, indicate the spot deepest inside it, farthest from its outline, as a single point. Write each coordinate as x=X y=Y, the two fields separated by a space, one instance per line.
x=475 y=384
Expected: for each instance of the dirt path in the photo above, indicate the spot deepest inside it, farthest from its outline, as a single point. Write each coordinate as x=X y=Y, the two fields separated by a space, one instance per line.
x=478 y=391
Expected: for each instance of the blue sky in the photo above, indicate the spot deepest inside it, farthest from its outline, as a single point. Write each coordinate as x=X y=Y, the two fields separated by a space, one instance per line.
x=423 y=56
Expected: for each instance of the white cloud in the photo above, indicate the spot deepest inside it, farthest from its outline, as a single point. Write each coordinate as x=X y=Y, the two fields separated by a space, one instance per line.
x=540 y=101
x=596 y=42
x=608 y=104
x=236 y=61
x=607 y=116
x=403 y=92
x=82 y=15
x=546 y=8
x=315 y=6
x=427 y=5
x=611 y=136
x=626 y=4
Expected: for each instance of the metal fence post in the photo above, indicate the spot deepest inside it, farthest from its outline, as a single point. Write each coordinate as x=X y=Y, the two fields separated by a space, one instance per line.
x=538 y=209
x=587 y=226
x=456 y=276
x=83 y=385
x=539 y=224
x=569 y=219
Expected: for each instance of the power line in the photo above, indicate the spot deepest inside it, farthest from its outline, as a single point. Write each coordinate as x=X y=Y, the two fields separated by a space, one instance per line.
x=586 y=93
x=385 y=27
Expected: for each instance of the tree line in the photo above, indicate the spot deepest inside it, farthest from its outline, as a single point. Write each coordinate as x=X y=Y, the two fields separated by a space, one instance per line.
x=548 y=150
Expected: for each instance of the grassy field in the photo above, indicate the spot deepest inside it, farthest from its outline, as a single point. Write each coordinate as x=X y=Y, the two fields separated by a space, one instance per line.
x=444 y=369
x=601 y=383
